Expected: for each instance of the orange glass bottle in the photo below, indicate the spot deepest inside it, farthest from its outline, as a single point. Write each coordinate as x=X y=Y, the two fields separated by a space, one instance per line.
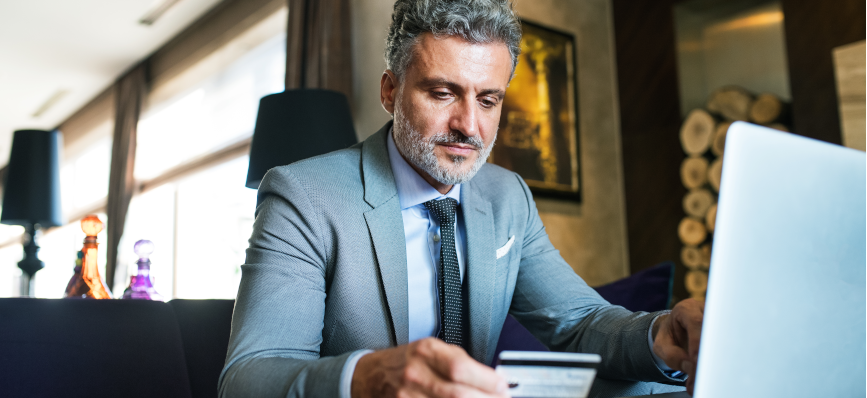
x=89 y=284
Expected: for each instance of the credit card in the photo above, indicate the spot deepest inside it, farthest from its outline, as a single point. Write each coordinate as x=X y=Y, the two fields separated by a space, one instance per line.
x=537 y=374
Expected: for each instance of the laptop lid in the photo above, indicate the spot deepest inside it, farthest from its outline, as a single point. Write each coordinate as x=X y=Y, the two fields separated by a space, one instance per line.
x=785 y=312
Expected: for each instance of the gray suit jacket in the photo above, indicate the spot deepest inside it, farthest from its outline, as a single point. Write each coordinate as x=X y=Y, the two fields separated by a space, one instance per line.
x=326 y=275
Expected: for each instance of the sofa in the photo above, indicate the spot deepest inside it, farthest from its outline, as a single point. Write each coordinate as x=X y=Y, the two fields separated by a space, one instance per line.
x=132 y=348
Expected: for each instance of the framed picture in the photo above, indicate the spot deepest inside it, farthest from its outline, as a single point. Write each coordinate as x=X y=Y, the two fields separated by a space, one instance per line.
x=538 y=136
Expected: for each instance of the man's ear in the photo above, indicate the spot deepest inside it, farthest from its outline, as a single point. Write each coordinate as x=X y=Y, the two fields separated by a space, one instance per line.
x=387 y=91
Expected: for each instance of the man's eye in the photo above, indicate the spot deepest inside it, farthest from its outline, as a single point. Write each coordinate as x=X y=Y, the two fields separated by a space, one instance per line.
x=488 y=103
x=441 y=94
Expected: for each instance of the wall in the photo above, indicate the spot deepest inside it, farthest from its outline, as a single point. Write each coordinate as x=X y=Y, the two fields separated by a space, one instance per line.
x=590 y=235
x=813 y=30
x=649 y=104
x=729 y=42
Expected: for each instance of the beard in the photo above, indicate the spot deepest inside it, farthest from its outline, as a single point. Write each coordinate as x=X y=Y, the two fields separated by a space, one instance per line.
x=419 y=151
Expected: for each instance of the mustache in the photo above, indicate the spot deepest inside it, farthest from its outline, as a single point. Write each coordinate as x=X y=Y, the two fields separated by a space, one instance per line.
x=455 y=137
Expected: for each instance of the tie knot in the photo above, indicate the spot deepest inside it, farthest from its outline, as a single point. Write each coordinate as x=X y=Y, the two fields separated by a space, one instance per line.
x=443 y=210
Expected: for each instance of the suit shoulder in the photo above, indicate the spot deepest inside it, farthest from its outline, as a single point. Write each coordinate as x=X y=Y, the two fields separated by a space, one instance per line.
x=332 y=164
x=338 y=167
x=495 y=181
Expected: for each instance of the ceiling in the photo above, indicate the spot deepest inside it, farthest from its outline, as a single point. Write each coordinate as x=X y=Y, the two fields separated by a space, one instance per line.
x=59 y=54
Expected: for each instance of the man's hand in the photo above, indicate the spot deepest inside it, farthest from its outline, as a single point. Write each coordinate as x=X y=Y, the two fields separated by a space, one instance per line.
x=425 y=368
x=676 y=337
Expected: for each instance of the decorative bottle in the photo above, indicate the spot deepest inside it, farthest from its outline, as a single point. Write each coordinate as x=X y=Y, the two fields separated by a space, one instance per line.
x=89 y=284
x=76 y=273
x=141 y=286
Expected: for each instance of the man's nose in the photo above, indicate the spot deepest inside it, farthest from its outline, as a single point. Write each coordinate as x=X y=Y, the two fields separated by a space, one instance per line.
x=464 y=118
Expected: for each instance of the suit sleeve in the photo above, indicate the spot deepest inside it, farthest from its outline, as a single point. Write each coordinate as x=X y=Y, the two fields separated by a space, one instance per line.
x=558 y=307
x=279 y=313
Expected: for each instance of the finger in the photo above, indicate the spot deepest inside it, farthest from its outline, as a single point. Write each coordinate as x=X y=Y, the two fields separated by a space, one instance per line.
x=463 y=390
x=690 y=385
x=692 y=322
x=453 y=364
x=412 y=393
x=679 y=333
x=694 y=344
x=672 y=355
x=694 y=331
x=426 y=382
x=690 y=368
x=686 y=325
x=666 y=349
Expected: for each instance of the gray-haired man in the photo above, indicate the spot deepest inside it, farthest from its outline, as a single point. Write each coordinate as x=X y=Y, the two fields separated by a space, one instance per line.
x=409 y=244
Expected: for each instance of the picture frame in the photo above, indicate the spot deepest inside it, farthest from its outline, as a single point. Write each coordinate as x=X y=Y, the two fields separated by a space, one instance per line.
x=539 y=132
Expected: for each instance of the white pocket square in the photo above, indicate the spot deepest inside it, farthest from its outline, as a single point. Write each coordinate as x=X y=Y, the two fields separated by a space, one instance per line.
x=505 y=249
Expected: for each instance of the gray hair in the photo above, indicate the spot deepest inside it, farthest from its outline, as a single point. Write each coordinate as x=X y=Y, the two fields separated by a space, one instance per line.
x=476 y=21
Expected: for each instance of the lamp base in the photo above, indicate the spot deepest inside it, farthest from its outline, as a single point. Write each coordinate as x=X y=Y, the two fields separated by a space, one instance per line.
x=31 y=262
x=26 y=286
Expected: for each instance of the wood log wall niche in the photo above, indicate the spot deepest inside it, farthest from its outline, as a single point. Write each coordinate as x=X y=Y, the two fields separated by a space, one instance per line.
x=702 y=138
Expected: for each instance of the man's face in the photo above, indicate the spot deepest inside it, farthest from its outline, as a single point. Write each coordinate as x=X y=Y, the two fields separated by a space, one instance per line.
x=447 y=108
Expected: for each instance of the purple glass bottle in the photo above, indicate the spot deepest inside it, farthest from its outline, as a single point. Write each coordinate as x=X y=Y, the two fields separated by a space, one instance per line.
x=141 y=286
x=76 y=273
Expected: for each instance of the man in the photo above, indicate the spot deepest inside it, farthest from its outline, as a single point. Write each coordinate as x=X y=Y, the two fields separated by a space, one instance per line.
x=411 y=245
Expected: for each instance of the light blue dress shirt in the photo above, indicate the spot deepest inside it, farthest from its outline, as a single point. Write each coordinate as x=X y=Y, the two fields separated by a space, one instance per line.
x=422 y=231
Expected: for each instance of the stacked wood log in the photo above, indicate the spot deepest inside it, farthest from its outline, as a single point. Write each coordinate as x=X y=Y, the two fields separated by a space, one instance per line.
x=731 y=102
x=768 y=109
x=702 y=137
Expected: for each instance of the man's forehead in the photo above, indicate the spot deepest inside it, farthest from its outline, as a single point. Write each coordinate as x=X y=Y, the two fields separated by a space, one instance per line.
x=455 y=59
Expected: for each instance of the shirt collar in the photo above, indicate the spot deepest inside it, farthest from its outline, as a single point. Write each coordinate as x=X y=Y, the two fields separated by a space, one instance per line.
x=412 y=189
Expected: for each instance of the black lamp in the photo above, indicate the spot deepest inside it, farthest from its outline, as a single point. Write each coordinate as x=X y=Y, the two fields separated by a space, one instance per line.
x=31 y=192
x=295 y=125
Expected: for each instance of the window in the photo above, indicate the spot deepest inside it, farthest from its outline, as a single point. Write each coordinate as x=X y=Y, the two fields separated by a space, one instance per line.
x=151 y=216
x=10 y=274
x=200 y=223
x=215 y=219
x=219 y=112
x=200 y=226
x=84 y=178
x=194 y=205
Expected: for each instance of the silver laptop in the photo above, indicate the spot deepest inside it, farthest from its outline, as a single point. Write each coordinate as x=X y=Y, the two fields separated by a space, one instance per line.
x=785 y=312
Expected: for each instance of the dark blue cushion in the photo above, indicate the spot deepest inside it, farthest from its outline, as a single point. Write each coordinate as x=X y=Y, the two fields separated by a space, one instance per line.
x=205 y=327
x=90 y=348
x=647 y=290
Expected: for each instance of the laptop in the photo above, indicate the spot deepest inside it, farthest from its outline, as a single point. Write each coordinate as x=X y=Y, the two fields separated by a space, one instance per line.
x=785 y=310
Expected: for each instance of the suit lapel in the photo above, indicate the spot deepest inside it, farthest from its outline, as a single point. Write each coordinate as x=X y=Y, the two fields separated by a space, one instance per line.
x=481 y=265
x=386 y=229
x=385 y=223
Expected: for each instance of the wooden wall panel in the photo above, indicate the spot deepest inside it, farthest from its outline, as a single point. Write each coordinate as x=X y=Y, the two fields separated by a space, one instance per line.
x=649 y=125
x=813 y=29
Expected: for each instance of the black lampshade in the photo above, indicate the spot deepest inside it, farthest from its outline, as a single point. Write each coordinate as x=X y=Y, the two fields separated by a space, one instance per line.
x=31 y=193
x=295 y=125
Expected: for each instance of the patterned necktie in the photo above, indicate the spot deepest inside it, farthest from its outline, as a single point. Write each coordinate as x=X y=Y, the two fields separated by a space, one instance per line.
x=449 y=281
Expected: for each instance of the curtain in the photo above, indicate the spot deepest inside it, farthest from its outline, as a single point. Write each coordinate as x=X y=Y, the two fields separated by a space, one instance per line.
x=318 y=46
x=130 y=91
